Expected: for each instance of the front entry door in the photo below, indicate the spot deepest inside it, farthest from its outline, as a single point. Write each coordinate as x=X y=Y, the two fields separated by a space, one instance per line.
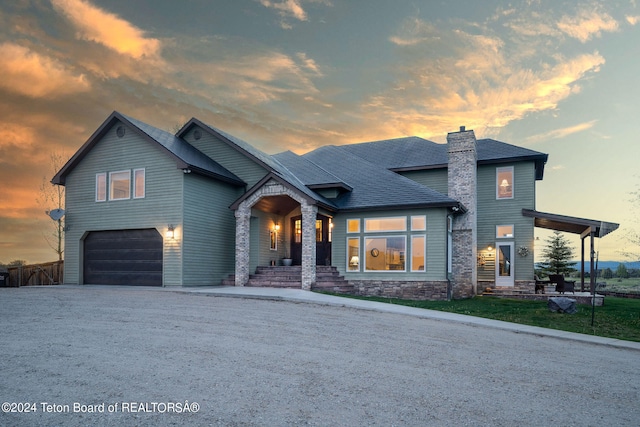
x=504 y=264
x=323 y=245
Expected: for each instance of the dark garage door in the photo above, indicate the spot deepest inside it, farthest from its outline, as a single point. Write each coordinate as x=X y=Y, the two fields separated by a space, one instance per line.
x=123 y=257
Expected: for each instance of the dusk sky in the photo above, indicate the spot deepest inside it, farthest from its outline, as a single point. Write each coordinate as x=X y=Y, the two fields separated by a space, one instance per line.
x=560 y=77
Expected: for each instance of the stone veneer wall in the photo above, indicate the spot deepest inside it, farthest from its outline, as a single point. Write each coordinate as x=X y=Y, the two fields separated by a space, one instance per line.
x=462 y=179
x=429 y=291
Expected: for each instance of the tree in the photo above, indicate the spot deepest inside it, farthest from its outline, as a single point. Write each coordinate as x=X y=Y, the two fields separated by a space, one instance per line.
x=557 y=255
x=607 y=273
x=621 y=271
x=51 y=196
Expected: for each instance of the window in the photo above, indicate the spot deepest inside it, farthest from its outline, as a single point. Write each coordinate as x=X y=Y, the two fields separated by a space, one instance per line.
x=318 y=230
x=418 y=223
x=138 y=183
x=101 y=187
x=418 y=249
x=297 y=231
x=353 y=226
x=504 y=232
x=353 y=254
x=120 y=185
x=385 y=253
x=398 y=223
x=504 y=183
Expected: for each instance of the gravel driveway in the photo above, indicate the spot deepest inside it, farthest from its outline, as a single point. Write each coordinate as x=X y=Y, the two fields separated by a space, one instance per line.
x=145 y=358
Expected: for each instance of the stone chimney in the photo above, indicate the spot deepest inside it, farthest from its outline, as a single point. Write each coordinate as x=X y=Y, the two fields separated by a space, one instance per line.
x=462 y=184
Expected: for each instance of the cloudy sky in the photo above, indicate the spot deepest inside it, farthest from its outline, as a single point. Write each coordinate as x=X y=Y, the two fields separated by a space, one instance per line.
x=555 y=76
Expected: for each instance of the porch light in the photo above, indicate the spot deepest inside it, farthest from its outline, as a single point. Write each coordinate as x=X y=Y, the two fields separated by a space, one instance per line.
x=354 y=261
x=276 y=227
x=490 y=248
x=170 y=234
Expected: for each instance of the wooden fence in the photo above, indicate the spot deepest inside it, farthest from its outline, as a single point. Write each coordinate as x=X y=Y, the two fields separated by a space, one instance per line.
x=50 y=273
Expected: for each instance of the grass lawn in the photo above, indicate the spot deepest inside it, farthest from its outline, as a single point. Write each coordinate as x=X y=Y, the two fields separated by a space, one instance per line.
x=617 y=318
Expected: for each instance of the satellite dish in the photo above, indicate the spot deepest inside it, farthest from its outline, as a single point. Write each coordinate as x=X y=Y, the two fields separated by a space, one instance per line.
x=56 y=214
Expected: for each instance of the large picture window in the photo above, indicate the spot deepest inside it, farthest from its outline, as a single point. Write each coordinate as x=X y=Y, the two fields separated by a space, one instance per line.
x=504 y=183
x=385 y=253
x=120 y=185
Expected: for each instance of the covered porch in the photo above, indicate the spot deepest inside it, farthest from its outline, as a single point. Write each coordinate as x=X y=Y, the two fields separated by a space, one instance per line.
x=278 y=225
x=586 y=228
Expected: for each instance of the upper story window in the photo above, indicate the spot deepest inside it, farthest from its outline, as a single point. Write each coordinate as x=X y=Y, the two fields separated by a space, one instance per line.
x=101 y=187
x=138 y=183
x=504 y=183
x=504 y=231
x=119 y=185
x=397 y=223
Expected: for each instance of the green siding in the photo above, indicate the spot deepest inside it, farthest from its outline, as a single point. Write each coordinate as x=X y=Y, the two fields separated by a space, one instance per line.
x=492 y=212
x=436 y=179
x=261 y=225
x=436 y=252
x=161 y=206
x=209 y=230
x=229 y=157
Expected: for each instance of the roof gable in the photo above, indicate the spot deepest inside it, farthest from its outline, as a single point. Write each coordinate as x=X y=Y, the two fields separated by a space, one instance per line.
x=185 y=155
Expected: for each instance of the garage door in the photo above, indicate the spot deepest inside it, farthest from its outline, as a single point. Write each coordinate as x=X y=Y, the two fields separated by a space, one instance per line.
x=123 y=257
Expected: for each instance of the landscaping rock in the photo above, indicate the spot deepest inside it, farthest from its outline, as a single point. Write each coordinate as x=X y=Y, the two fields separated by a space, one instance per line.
x=562 y=305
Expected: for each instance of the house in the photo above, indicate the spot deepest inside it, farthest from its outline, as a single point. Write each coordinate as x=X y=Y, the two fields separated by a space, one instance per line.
x=404 y=217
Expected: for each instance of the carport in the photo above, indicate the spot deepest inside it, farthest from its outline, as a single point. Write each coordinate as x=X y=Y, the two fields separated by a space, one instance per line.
x=584 y=227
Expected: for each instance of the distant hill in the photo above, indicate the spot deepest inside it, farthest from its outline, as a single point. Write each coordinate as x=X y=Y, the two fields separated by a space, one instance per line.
x=609 y=264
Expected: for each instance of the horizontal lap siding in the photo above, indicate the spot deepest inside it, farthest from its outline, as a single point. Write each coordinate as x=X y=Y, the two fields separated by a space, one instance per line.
x=436 y=179
x=209 y=231
x=227 y=156
x=160 y=207
x=492 y=212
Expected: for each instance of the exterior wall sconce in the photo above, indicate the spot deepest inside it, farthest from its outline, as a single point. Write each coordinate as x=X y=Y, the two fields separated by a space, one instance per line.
x=490 y=248
x=171 y=232
x=276 y=227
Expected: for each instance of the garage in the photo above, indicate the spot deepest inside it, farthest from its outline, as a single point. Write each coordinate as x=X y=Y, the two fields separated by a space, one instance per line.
x=123 y=257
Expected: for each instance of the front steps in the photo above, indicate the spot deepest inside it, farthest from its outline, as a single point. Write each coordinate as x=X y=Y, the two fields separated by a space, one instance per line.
x=327 y=279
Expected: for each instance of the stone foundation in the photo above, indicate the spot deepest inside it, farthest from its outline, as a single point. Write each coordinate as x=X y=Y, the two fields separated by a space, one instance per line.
x=426 y=291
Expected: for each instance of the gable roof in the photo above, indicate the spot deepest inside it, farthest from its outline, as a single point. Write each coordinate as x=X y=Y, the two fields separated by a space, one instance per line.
x=415 y=153
x=373 y=186
x=276 y=169
x=186 y=156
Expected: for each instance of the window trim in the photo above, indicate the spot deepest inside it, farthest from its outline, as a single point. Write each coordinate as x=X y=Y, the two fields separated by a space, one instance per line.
x=102 y=175
x=513 y=182
x=144 y=183
x=424 y=253
x=513 y=231
x=364 y=261
x=386 y=231
x=128 y=172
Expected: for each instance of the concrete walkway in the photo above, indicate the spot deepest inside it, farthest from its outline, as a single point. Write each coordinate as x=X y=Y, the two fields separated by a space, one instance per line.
x=300 y=296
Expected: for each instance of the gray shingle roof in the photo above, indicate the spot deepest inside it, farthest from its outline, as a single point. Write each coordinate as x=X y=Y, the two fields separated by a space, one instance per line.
x=187 y=153
x=415 y=153
x=374 y=187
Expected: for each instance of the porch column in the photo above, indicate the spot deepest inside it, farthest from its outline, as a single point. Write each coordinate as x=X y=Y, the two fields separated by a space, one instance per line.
x=243 y=228
x=309 y=215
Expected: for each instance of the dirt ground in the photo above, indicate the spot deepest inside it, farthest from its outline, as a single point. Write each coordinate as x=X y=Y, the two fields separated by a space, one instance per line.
x=135 y=357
